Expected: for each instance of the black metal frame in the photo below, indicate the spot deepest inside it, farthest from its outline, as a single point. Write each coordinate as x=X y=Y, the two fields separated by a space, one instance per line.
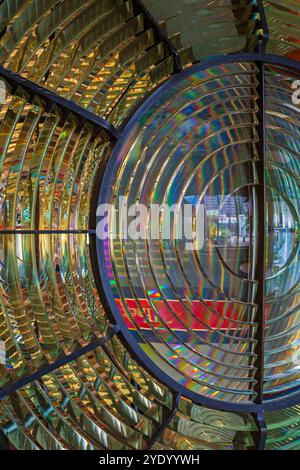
x=117 y=138
x=161 y=36
x=263 y=23
x=260 y=273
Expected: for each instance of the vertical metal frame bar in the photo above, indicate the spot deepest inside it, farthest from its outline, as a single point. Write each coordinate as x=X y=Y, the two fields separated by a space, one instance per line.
x=139 y=7
x=260 y=275
x=4 y=442
x=262 y=431
x=260 y=271
x=167 y=419
x=264 y=25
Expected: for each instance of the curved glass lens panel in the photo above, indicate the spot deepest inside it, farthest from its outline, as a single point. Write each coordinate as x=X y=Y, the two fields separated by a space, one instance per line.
x=182 y=249
x=193 y=24
x=283 y=429
x=101 y=54
x=186 y=292
x=282 y=367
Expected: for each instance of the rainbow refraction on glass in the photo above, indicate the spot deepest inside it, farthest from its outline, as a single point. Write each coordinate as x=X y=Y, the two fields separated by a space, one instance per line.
x=150 y=343
x=193 y=312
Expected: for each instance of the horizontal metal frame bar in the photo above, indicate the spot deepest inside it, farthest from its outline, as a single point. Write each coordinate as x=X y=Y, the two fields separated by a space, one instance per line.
x=33 y=89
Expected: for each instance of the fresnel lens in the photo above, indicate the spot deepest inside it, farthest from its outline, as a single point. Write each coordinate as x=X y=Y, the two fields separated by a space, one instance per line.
x=149 y=224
